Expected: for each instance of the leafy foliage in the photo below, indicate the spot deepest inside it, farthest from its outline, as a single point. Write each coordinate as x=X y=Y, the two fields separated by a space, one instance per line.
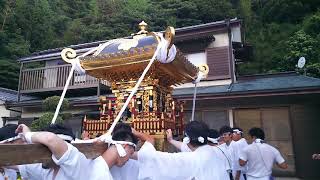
x=271 y=26
x=49 y=105
x=44 y=121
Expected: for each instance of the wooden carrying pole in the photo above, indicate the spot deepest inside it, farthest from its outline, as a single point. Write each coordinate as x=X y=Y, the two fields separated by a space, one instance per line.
x=17 y=154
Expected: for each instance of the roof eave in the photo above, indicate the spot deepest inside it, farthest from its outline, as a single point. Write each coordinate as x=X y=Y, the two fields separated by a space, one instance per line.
x=255 y=93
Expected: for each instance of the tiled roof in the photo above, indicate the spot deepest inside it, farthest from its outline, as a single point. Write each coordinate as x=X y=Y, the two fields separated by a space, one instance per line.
x=10 y=95
x=262 y=84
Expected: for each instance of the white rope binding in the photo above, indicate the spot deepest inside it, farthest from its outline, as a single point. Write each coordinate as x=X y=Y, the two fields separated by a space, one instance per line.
x=75 y=66
x=200 y=76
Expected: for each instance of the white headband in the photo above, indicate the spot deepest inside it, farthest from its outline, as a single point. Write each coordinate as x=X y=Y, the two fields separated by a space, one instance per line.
x=108 y=139
x=186 y=139
x=237 y=131
x=213 y=140
x=259 y=141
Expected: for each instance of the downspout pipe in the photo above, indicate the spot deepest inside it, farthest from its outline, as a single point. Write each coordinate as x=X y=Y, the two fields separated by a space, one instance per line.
x=231 y=57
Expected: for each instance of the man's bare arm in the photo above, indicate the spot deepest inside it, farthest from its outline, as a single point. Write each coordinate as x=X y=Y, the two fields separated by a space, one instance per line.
x=55 y=144
x=283 y=165
x=170 y=139
x=143 y=136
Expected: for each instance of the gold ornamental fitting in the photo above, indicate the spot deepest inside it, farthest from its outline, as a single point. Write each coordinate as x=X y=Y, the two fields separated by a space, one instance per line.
x=143 y=26
x=204 y=68
x=68 y=55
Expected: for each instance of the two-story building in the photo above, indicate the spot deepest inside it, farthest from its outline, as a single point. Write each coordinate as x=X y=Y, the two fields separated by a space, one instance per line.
x=285 y=105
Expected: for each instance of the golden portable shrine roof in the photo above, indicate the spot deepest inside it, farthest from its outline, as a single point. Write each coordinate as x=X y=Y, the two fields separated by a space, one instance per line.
x=125 y=59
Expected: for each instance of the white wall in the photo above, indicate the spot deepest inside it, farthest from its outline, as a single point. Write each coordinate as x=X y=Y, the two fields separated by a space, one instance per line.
x=236 y=34
x=3 y=112
x=197 y=58
x=221 y=40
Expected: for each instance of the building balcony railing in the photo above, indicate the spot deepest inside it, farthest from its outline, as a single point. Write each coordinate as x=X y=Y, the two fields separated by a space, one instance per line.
x=53 y=78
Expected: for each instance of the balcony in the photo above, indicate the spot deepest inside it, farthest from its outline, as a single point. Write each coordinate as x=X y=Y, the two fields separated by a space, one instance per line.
x=53 y=78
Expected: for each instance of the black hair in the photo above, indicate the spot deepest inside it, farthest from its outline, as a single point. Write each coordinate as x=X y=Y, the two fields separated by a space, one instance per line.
x=123 y=132
x=8 y=131
x=124 y=136
x=225 y=129
x=59 y=129
x=212 y=133
x=122 y=127
x=257 y=132
x=196 y=129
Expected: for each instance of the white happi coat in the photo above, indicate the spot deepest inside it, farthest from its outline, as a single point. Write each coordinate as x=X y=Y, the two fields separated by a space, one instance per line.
x=73 y=166
x=198 y=165
x=8 y=173
x=129 y=171
x=260 y=158
x=229 y=153
x=240 y=145
x=221 y=165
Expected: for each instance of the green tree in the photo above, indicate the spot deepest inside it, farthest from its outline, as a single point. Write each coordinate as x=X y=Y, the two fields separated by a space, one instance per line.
x=49 y=105
x=174 y=13
x=214 y=10
x=33 y=18
x=284 y=11
x=300 y=45
x=311 y=25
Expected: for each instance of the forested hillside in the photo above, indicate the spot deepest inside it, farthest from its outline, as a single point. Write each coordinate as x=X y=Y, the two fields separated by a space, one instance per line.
x=280 y=30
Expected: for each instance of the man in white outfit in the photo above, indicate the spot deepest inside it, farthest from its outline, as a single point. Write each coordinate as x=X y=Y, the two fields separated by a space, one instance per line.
x=187 y=146
x=260 y=157
x=130 y=170
x=200 y=164
x=228 y=148
x=240 y=143
x=224 y=167
x=70 y=164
